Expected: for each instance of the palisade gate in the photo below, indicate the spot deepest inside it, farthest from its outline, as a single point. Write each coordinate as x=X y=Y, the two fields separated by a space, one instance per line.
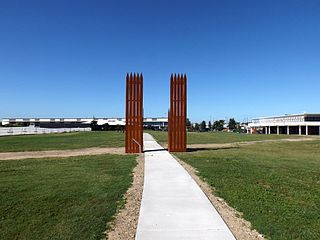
x=177 y=114
x=134 y=113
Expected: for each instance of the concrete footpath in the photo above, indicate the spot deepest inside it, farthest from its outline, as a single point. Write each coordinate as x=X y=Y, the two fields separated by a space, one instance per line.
x=173 y=206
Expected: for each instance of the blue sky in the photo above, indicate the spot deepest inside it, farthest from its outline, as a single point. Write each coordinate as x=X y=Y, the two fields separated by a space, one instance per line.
x=243 y=59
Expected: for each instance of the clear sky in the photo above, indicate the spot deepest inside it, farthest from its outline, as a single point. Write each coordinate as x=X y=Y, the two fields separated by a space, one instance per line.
x=243 y=59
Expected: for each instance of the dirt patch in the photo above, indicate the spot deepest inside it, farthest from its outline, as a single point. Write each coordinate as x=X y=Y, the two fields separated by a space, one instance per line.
x=240 y=227
x=60 y=153
x=125 y=224
x=211 y=146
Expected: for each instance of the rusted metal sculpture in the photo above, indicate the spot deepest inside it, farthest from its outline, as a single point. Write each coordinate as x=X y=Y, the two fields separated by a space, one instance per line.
x=177 y=115
x=134 y=113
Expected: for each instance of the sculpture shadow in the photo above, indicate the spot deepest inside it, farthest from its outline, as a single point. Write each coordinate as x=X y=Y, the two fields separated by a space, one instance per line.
x=208 y=148
x=193 y=149
x=156 y=150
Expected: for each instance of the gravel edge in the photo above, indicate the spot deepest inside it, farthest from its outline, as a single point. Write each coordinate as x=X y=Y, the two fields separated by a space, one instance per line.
x=240 y=227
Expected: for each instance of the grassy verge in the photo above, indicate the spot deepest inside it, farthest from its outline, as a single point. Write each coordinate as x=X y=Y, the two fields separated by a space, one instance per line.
x=219 y=137
x=61 y=141
x=66 y=198
x=275 y=185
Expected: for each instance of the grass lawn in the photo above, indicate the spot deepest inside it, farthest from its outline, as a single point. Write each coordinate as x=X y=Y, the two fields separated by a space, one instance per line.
x=61 y=141
x=63 y=198
x=218 y=137
x=275 y=185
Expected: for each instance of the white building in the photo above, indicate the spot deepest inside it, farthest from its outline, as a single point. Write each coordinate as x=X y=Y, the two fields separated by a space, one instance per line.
x=80 y=122
x=301 y=124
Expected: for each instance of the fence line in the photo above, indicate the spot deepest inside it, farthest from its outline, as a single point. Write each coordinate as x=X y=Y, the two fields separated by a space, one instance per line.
x=9 y=131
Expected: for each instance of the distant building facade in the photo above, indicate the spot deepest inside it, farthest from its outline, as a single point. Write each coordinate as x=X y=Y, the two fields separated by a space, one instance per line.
x=160 y=122
x=300 y=124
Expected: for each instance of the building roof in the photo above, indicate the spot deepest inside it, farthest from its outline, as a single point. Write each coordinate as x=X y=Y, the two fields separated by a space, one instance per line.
x=289 y=115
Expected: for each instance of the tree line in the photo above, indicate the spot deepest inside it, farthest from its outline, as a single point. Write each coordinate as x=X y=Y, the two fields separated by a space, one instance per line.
x=218 y=125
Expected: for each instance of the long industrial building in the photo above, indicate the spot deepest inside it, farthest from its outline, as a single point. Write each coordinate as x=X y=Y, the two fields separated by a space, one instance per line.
x=300 y=124
x=160 y=122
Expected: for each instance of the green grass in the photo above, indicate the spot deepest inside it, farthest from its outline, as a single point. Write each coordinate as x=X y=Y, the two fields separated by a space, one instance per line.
x=275 y=185
x=63 y=198
x=219 y=137
x=61 y=141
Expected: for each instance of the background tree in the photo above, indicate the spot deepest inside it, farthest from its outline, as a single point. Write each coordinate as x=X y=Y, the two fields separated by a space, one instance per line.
x=209 y=125
x=94 y=125
x=196 y=127
x=203 y=126
x=218 y=125
x=188 y=123
x=232 y=124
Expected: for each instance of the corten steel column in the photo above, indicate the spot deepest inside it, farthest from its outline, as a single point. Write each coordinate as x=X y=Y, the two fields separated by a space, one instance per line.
x=134 y=113
x=177 y=115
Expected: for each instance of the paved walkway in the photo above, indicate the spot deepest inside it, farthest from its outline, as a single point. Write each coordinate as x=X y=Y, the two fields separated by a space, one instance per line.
x=173 y=205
